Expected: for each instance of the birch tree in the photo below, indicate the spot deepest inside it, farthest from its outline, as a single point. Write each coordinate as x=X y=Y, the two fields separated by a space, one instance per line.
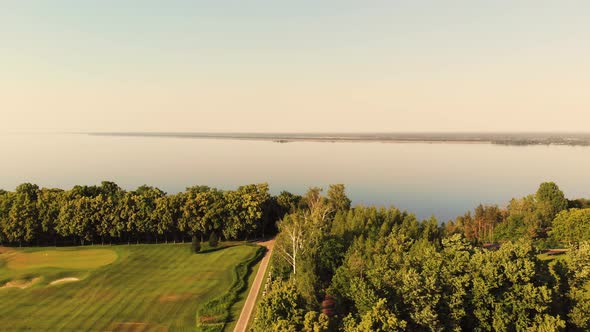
x=291 y=242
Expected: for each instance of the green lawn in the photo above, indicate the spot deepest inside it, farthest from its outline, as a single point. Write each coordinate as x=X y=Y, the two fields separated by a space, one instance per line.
x=121 y=288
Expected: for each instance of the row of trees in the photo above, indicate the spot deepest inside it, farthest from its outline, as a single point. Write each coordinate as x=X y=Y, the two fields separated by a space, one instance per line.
x=367 y=269
x=107 y=213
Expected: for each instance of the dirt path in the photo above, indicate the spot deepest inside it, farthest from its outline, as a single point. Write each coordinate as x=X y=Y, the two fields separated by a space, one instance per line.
x=258 y=280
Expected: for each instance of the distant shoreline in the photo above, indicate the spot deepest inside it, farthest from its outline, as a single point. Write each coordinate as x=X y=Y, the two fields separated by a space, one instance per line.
x=511 y=139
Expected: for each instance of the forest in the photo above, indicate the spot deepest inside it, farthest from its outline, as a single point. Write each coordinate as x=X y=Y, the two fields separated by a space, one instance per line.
x=341 y=268
x=337 y=268
x=107 y=214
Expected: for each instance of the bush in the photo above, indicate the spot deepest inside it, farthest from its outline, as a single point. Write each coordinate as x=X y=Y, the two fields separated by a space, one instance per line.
x=213 y=240
x=195 y=245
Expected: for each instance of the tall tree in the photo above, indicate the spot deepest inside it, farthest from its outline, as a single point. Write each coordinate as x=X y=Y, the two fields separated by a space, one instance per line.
x=137 y=210
x=579 y=269
x=48 y=205
x=168 y=213
x=6 y=201
x=523 y=219
x=203 y=211
x=318 y=207
x=106 y=223
x=337 y=198
x=550 y=201
x=78 y=218
x=571 y=226
x=288 y=202
x=111 y=190
x=244 y=208
x=294 y=239
x=23 y=222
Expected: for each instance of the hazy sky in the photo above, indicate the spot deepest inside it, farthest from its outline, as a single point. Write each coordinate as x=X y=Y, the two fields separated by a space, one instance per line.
x=321 y=65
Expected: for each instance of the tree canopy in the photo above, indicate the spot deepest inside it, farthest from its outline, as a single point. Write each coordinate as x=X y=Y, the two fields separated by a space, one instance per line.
x=107 y=213
x=374 y=269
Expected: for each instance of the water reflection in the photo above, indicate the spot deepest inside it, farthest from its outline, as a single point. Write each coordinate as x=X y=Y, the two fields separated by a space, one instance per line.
x=425 y=178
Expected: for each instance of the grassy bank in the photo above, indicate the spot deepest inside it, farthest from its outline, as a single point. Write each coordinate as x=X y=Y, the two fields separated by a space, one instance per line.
x=214 y=315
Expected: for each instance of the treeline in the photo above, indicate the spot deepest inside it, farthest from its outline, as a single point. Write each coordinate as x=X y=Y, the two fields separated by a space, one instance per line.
x=544 y=141
x=337 y=268
x=547 y=217
x=108 y=214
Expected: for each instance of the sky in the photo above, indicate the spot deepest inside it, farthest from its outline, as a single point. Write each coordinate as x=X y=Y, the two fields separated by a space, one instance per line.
x=294 y=66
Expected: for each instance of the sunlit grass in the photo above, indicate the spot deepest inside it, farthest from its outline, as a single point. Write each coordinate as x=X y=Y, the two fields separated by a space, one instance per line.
x=146 y=287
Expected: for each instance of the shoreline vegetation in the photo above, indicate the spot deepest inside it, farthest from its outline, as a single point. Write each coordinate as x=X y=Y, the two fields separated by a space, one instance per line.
x=512 y=139
x=360 y=269
x=34 y=216
x=337 y=267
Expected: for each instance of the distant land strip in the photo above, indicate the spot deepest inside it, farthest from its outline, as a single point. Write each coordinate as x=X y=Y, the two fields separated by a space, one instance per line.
x=571 y=139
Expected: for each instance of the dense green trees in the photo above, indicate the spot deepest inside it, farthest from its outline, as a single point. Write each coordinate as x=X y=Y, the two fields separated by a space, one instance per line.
x=245 y=210
x=571 y=226
x=106 y=213
x=522 y=220
x=550 y=201
x=577 y=277
x=368 y=269
x=168 y=213
x=282 y=309
x=529 y=217
x=339 y=268
x=337 y=198
x=202 y=211
x=509 y=293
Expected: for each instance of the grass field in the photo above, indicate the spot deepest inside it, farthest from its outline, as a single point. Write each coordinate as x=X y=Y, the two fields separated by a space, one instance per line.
x=120 y=288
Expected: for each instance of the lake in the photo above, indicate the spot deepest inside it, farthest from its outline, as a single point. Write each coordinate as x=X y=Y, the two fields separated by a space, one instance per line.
x=441 y=179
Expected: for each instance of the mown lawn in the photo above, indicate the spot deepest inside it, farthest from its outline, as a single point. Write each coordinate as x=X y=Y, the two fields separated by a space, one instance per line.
x=121 y=288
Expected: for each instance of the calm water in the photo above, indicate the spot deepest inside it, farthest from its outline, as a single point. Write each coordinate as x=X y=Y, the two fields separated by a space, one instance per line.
x=440 y=179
